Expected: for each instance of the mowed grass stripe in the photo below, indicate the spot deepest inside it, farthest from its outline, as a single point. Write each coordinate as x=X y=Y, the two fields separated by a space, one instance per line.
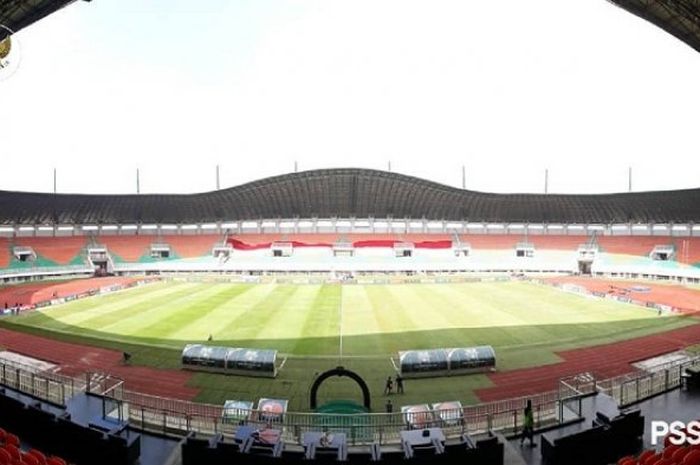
x=186 y=321
x=283 y=325
x=216 y=320
x=71 y=317
x=160 y=321
x=320 y=332
x=240 y=324
x=100 y=321
x=80 y=310
x=359 y=315
x=423 y=308
x=385 y=315
x=258 y=323
x=87 y=317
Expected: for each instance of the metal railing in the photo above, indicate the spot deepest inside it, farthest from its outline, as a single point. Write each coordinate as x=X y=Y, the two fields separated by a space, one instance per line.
x=51 y=387
x=173 y=416
x=633 y=388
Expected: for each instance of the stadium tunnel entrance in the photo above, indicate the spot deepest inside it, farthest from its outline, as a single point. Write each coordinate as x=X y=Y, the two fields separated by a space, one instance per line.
x=340 y=372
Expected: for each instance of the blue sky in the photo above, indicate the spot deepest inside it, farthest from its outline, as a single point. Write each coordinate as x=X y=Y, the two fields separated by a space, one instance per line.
x=506 y=88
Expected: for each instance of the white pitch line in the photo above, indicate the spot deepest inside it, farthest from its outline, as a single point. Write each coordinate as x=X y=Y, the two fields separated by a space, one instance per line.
x=340 y=354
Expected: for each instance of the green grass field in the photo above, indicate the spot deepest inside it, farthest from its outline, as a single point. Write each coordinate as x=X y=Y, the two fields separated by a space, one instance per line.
x=360 y=326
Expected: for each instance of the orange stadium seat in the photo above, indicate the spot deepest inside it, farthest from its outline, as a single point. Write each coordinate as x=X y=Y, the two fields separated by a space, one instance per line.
x=192 y=246
x=61 y=250
x=492 y=241
x=640 y=245
x=5 y=253
x=128 y=248
x=558 y=242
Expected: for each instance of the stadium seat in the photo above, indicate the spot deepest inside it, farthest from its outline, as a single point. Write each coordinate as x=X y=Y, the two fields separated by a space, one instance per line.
x=12 y=439
x=30 y=459
x=628 y=460
x=55 y=461
x=669 y=450
x=39 y=456
x=14 y=452
x=680 y=454
x=652 y=459
x=5 y=457
x=692 y=458
x=645 y=455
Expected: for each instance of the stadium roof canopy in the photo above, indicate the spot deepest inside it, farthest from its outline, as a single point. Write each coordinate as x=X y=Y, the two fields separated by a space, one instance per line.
x=680 y=18
x=348 y=193
x=18 y=14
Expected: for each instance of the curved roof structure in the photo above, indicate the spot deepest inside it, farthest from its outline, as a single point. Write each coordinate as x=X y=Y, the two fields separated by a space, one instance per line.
x=680 y=18
x=18 y=14
x=348 y=193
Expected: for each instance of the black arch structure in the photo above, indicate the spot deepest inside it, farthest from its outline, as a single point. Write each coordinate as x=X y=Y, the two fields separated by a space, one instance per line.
x=341 y=372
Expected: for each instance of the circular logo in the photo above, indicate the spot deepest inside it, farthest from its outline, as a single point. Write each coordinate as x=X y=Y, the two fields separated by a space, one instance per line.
x=9 y=53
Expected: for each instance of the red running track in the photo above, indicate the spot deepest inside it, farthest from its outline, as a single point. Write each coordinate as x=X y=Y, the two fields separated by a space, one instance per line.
x=674 y=295
x=603 y=361
x=75 y=360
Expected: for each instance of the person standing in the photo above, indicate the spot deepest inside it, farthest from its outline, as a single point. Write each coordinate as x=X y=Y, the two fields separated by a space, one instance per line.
x=389 y=406
x=399 y=384
x=528 y=424
x=389 y=387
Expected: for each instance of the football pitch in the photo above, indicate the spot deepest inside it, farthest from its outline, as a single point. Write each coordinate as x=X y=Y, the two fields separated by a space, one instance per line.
x=319 y=326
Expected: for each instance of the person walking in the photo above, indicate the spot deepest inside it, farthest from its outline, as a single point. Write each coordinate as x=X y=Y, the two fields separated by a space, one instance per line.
x=389 y=387
x=528 y=424
x=399 y=384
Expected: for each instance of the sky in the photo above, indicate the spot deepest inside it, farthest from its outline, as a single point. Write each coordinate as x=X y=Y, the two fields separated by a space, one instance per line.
x=507 y=89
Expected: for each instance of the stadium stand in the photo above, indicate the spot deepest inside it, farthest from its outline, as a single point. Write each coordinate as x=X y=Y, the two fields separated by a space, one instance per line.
x=136 y=248
x=192 y=246
x=639 y=246
x=61 y=251
x=5 y=253
x=60 y=436
x=11 y=453
x=128 y=248
x=688 y=250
